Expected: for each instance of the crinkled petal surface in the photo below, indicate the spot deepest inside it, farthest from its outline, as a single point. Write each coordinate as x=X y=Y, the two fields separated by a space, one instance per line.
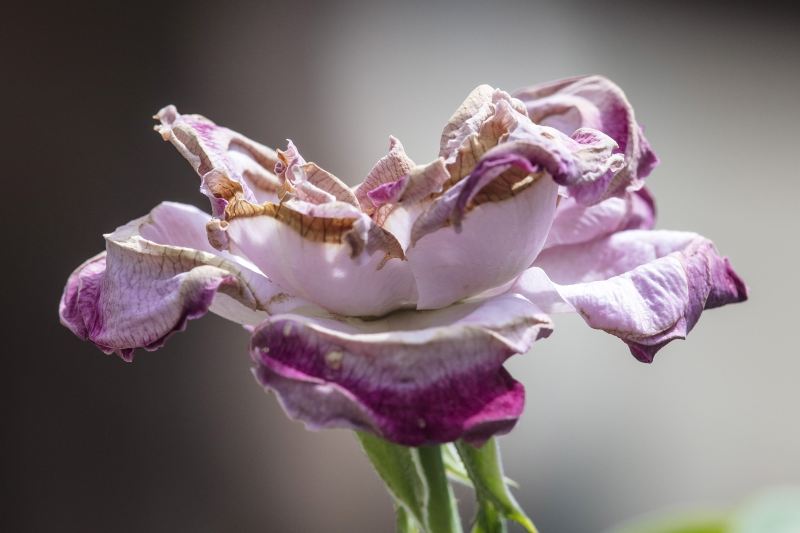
x=645 y=287
x=598 y=103
x=228 y=163
x=412 y=377
x=158 y=272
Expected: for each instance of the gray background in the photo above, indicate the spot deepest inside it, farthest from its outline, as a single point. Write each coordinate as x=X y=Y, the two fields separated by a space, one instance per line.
x=184 y=440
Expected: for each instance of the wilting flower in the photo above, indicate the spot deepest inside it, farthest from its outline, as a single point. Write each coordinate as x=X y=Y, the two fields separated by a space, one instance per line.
x=391 y=306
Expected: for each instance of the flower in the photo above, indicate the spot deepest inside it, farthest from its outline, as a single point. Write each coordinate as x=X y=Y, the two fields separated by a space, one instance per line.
x=392 y=306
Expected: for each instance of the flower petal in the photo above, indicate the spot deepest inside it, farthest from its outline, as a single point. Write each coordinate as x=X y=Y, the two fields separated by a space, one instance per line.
x=645 y=287
x=331 y=254
x=576 y=223
x=412 y=377
x=229 y=163
x=598 y=103
x=390 y=168
x=310 y=182
x=469 y=242
x=158 y=272
x=475 y=127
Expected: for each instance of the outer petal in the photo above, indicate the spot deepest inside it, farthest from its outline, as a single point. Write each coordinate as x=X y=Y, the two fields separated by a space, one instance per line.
x=594 y=102
x=331 y=254
x=411 y=377
x=645 y=287
x=158 y=272
x=576 y=223
x=229 y=163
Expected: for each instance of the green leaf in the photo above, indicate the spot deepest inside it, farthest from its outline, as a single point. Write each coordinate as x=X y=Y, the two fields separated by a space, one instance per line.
x=398 y=468
x=442 y=511
x=486 y=471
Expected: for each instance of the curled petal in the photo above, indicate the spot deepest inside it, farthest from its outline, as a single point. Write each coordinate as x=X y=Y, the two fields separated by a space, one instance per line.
x=598 y=103
x=228 y=163
x=310 y=182
x=421 y=182
x=157 y=273
x=645 y=287
x=331 y=254
x=411 y=377
x=471 y=127
x=576 y=223
x=389 y=169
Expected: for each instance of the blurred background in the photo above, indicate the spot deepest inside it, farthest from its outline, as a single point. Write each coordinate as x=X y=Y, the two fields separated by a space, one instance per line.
x=184 y=440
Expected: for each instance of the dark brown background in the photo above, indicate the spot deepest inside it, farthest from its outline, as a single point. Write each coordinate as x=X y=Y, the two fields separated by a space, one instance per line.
x=184 y=440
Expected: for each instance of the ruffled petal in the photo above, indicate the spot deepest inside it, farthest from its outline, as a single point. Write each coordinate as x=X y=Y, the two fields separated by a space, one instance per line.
x=645 y=287
x=157 y=273
x=228 y=163
x=598 y=103
x=576 y=223
x=475 y=127
x=412 y=377
x=331 y=254
x=308 y=181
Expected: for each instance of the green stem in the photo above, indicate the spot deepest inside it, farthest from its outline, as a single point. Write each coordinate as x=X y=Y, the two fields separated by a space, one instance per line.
x=441 y=508
x=404 y=522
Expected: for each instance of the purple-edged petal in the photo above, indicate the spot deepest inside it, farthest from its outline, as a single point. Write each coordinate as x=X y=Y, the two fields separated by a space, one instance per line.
x=157 y=273
x=645 y=287
x=331 y=254
x=228 y=163
x=412 y=377
x=598 y=103
x=576 y=223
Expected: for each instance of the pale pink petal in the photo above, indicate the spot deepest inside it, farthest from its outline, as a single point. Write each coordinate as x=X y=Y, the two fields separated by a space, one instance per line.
x=576 y=223
x=331 y=254
x=461 y=249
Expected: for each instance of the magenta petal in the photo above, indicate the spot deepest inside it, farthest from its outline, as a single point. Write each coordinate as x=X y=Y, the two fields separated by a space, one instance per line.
x=645 y=287
x=412 y=377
